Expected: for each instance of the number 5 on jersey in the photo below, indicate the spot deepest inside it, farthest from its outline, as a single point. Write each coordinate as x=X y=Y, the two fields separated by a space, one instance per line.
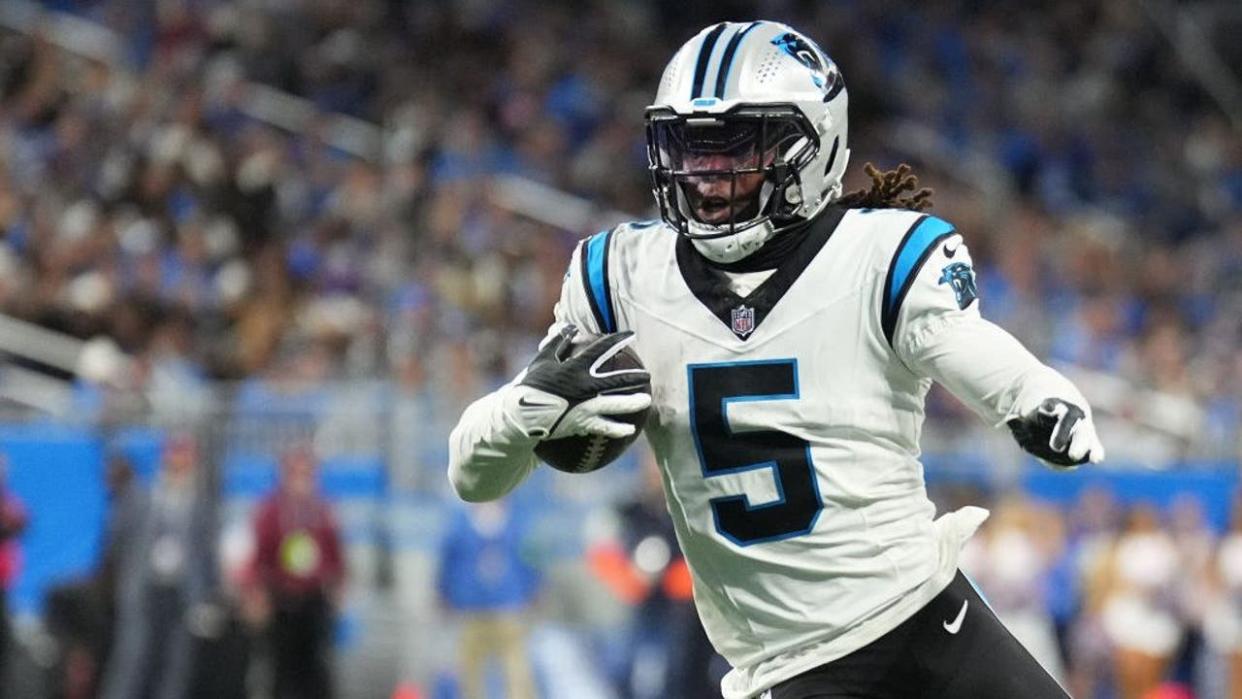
x=722 y=451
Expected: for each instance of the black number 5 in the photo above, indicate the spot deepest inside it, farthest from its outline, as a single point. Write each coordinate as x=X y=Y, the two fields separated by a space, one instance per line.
x=722 y=451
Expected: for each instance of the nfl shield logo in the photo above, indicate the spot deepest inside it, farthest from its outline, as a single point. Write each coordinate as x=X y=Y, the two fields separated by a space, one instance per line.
x=743 y=321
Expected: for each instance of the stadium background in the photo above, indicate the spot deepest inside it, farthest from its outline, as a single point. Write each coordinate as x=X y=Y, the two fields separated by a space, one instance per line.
x=264 y=221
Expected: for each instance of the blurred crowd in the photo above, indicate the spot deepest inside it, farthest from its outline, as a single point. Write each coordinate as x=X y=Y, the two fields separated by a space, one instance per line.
x=1098 y=185
x=1119 y=600
x=176 y=609
x=1130 y=602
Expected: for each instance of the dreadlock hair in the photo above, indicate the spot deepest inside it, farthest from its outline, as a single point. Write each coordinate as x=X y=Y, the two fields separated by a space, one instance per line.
x=886 y=191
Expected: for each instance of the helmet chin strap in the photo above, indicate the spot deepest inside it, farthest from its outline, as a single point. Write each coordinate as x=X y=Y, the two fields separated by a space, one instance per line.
x=733 y=248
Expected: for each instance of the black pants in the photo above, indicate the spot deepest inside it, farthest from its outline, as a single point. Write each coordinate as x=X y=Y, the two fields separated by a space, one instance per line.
x=301 y=639
x=952 y=648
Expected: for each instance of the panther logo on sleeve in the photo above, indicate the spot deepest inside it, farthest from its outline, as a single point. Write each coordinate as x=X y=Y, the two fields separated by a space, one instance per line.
x=962 y=278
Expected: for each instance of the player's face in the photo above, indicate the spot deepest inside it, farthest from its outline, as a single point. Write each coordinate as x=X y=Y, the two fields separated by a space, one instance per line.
x=718 y=199
x=720 y=165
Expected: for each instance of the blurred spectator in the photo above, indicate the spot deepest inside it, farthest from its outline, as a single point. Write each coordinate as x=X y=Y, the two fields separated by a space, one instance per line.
x=1139 y=614
x=1011 y=560
x=86 y=615
x=1223 y=619
x=168 y=571
x=487 y=577
x=299 y=570
x=1094 y=527
x=665 y=651
x=81 y=614
x=1193 y=586
x=12 y=522
x=127 y=505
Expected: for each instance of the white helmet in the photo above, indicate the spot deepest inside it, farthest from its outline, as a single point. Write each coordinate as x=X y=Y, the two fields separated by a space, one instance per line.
x=747 y=136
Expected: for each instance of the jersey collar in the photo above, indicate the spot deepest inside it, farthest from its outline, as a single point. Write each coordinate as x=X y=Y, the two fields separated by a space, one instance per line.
x=743 y=314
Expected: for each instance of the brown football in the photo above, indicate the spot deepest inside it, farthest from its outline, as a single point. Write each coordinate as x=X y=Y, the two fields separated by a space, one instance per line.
x=583 y=454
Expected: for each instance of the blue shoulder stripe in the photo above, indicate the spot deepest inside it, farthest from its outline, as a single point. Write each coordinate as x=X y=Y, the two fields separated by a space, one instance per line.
x=595 y=278
x=915 y=247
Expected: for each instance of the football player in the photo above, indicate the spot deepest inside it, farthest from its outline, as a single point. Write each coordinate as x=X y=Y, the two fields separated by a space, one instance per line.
x=791 y=335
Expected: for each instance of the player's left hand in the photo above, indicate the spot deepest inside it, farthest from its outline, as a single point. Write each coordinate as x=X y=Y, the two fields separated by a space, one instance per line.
x=1058 y=433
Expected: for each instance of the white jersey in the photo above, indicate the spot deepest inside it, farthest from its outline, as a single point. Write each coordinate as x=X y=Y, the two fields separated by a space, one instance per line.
x=787 y=421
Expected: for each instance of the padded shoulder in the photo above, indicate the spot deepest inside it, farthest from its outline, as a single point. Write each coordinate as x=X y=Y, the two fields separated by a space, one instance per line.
x=902 y=241
x=602 y=255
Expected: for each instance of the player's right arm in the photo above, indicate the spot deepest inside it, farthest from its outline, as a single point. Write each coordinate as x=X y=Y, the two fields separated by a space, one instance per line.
x=491 y=450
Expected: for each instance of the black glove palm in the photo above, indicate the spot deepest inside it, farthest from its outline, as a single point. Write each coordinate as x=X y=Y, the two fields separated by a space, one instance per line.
x=575 y=376
x=1047 y=432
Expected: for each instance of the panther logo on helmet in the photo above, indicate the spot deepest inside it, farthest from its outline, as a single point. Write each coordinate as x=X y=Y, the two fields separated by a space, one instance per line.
x=825 y=77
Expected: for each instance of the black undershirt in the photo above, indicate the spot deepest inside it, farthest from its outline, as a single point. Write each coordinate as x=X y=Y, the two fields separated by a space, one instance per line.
x=788 y=255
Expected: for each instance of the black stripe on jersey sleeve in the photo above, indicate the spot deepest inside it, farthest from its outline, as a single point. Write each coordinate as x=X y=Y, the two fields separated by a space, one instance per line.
x=611 y=315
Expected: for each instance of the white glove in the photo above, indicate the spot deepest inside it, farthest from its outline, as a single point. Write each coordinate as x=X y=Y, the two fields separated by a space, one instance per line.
x=1085 y=445
x=542 y=415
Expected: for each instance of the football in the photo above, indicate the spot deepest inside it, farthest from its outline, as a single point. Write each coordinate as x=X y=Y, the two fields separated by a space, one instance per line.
x=584 y=454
